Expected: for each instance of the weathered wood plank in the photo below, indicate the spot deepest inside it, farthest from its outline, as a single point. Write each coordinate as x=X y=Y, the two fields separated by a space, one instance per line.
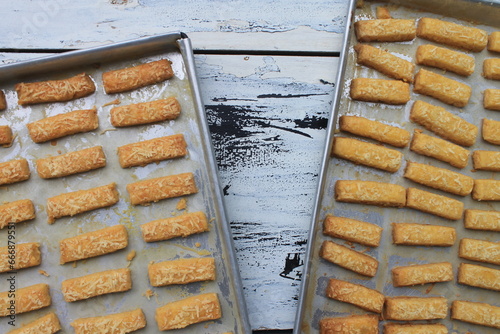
x=311 y=25
x=267 y=116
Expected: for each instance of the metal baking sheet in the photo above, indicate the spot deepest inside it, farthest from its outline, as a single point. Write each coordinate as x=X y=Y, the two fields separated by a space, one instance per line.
x=313 y=304
x=200 y=160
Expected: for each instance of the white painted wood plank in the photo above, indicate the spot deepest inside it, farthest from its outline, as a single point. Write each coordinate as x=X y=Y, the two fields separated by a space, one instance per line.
x=268 y=117
x=309 y=25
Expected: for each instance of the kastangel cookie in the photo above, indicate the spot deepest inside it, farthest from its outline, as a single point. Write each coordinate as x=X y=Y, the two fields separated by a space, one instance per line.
x=494 y=41
x=486 y=190
x=479 y=276
x=6 y=136
x=412 y=234
x=442 y=88
x=393 y=328
x=370 y=192
x=14 y=171
x=80 y=85
x=380 y=90
x=63 y=125
x=446 y=59
x=480 y=250
x=415 y=308
x=349 y=259
x=188 y=311
x=491 y=131
x=352 y=324
x=438 y=205
x=439 y=178
x=385 y=62
x=174 y=227
x=422 y=274
x=48 y=324
x=71 y=163
x=182 y=271
x=367 y=154
x=476 y=313
x=352 y=230
x=124 y=322
x=359 y=295
x=146 y=112
x=381 y=132
x=486 y=160
x=27 y=299
x=491 y=68
x=382 y=30
x=482 y=220
x=16 y=212
x=130 y=78
x=492 y=99
x=452 y=34
x=444 y=123
x=26 y=255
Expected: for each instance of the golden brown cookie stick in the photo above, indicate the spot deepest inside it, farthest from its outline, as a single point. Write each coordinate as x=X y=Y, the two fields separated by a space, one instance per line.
x=479 y=276
x=14 y=171
x=380 y=90
x=63 y=125
x=124 y=322
x=3 y=102
x=486 y=160
x=492 y=99
x=19 y=256
x=367 y=154
x=476 y=313
x=435 y=204
x=482 y=220
x=411 y=234
x=415 y=308
x=71 y=163
x=445 y=59
x=440 y=149
x=444 y=123
x=486 y=190
x=359 y=295
x=354 y=324
x=182 y=271
x=130 y=78
x=491 y=131
x=352 y=230
x=383 y=13
x=393 y=328
x=385 y=62
x=27 y=299
x=6 y=136
x=48 y=324
x=439 y=178
x=369 y=192
x=153 y=190
x=188 y=311
x=179 y=226
x=422 y=274
x=153 y=150
x=80 y=85
x=96 y=284
x=452 y=34
x=480 y=250
x=491 y=68
x=494 y=41
x=442 y=88
x=385 y=30
x=16 y=212
x=146 y=112
x=349 y=259
x=95 y=243
x=70 y=204
x=375 y=130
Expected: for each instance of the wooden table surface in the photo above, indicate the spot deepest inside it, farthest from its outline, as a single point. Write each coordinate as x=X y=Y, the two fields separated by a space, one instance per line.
x=267 y=72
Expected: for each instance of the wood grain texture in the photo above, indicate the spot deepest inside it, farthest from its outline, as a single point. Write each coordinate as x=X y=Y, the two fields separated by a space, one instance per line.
x=311 y=25
x=267 y=116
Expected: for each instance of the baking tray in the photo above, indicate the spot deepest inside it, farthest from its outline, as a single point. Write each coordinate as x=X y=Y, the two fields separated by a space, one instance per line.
x=313 y=303
x=200 y=160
